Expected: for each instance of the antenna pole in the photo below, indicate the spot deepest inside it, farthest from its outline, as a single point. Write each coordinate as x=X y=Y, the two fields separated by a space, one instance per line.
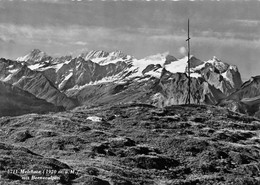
x=189 y=80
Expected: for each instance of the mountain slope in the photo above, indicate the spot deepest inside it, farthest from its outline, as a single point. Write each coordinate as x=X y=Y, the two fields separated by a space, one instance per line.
x=91 y=77
x=168 y=90
x=133 y=144
x=174 y=90
x=35 y=82
x=101 y=66
x=15 y=101
x=221 y=75
x=246 y=99
x=34 y=57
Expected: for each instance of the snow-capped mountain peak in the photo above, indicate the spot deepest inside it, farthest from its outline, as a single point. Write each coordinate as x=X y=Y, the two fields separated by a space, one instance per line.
x=103 y=57
x=158 y=56
x=117 y=54
x=217 y=63
x=98 y=75
x=98 y=66
x=34 y=56
x=94 y=54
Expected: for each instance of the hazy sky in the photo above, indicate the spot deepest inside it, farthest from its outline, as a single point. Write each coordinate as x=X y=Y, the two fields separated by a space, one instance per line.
x=229 y=30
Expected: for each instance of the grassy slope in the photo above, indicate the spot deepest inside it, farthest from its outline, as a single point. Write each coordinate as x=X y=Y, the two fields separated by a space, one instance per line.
x=141 y=144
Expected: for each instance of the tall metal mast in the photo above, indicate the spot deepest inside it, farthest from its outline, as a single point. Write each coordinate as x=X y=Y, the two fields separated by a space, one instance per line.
x=189 y=80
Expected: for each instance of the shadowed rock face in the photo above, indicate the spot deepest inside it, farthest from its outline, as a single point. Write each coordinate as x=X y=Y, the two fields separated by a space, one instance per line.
x=173 y=90
x=246 y=99
x=134 y=144
x=15 y=101
x=221 y=75
x=169 y=90
x=35 y=82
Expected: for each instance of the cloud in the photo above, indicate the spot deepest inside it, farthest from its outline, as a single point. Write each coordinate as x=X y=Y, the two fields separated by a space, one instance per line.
x=247 y=22
x=6 y=40
x=58 y=34
x=81 y=43
x=71 y=37
x=44 y=1
x=30 y=32
x=183 y=51
x=112 y=37
x=168 y=37
x=214 y=40
x=152 y=31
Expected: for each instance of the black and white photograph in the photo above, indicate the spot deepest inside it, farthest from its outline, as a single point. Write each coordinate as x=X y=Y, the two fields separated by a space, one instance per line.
x=130 y=92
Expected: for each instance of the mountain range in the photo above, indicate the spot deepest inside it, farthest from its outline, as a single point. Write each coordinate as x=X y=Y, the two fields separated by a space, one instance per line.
x=98 y=78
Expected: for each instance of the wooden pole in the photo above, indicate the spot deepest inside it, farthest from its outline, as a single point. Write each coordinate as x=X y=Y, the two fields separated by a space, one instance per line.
x=189 y=80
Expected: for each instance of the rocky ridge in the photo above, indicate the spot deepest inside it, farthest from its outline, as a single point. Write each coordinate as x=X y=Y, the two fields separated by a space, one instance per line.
x=114 y=75
x=34 y=82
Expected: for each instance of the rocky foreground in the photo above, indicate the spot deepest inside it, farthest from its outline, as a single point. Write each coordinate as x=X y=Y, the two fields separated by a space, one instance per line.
x=131 y=144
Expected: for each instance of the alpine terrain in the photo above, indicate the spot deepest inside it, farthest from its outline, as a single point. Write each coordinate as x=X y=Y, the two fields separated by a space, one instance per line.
x=246 y=99
x=108 y=118
x=131 y=144
x=98 y=78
